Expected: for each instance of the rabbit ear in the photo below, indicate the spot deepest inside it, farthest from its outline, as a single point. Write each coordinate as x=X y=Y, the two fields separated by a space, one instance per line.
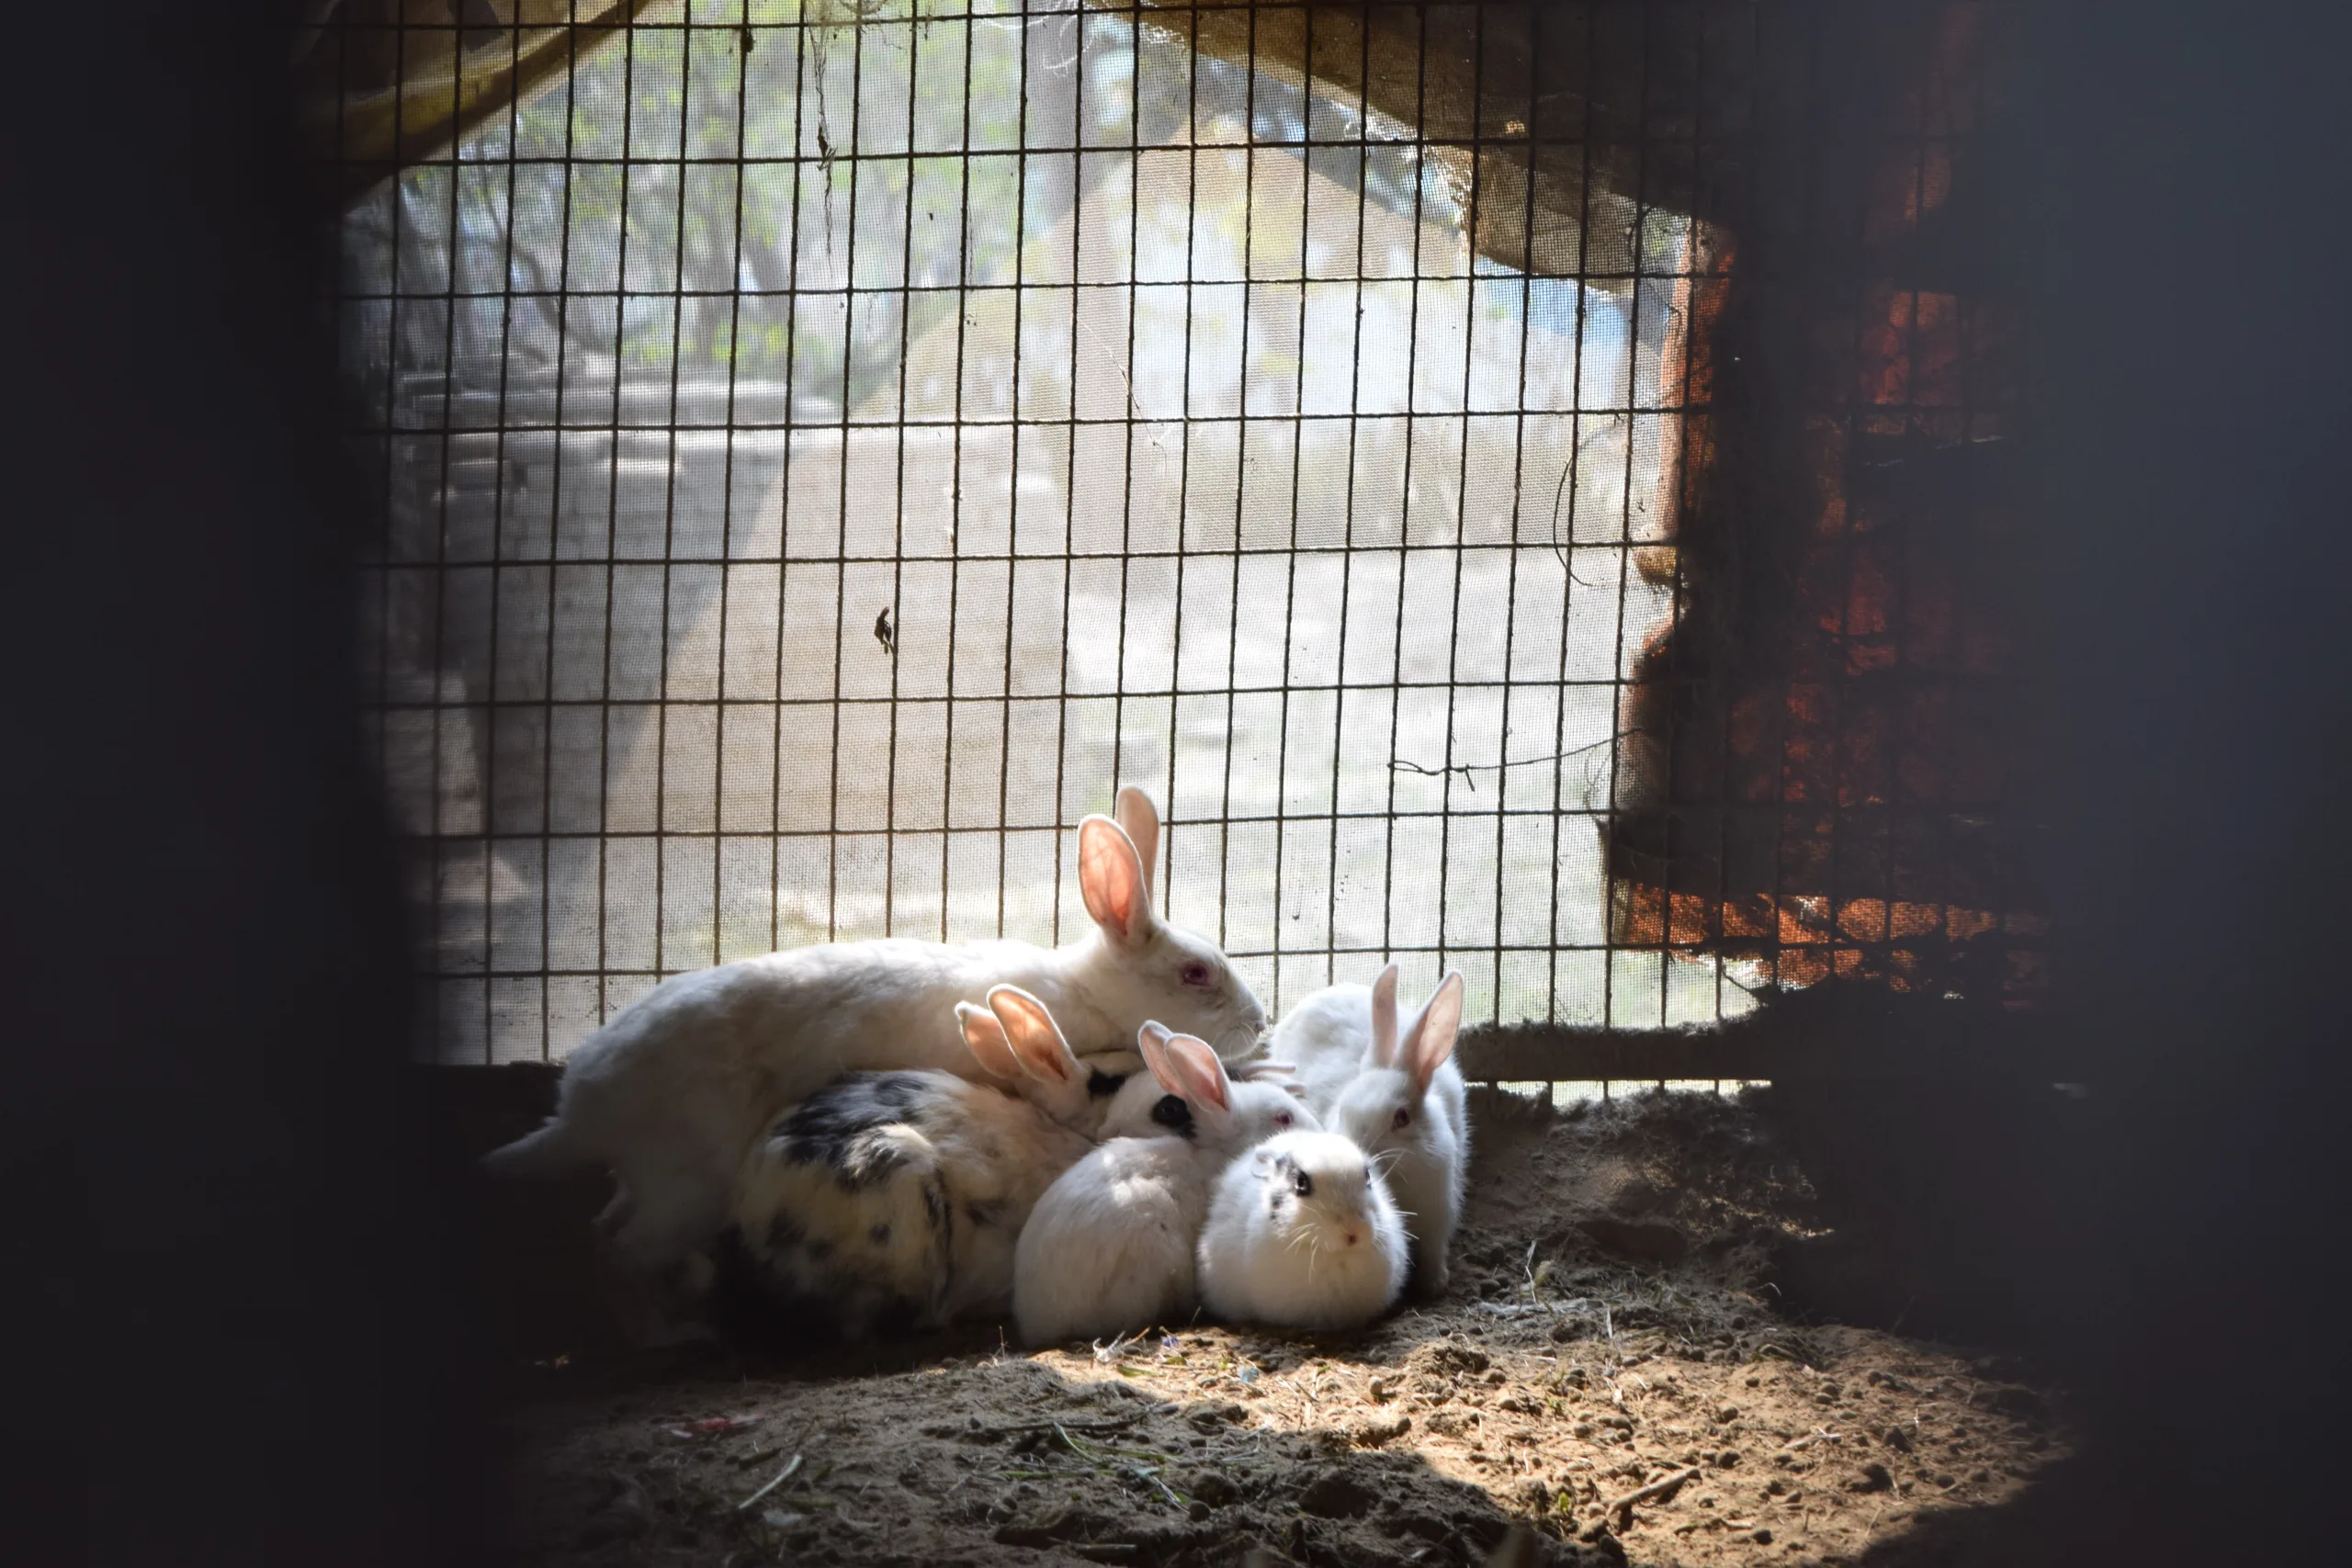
x=1152 y=1041
x=1430 y=1040
x=1136 y=814
x=1034 y=1037
x=1194 y=1073
x=1110 y=875
x=1384 y=1019
x=984 y=1038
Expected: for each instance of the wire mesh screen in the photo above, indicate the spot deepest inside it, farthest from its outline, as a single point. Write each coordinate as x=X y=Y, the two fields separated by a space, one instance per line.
x=824 y=453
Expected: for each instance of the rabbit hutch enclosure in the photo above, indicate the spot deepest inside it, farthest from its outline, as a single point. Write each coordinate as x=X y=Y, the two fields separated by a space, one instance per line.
x=1514 y=483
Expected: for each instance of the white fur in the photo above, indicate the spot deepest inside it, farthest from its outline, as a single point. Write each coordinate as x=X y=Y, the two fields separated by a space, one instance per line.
x=670 y=1094
x=1109 y=1248
x=1359 y=1071
x=1332 y=1257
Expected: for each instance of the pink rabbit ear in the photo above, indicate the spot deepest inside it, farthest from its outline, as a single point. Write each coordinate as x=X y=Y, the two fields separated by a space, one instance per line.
x=984 y=1038
x=1384 y=1019
x=1200 y=1074
x=1152 y=1041
x=1111 y=878
x=1034 y=1038
x=1430 y=1040
x=1140 y=817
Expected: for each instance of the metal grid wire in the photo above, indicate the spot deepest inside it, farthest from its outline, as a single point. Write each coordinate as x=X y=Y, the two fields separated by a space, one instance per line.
x=823 y=454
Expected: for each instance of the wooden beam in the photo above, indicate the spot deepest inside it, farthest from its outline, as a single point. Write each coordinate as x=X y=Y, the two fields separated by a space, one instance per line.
x=1929 y=1043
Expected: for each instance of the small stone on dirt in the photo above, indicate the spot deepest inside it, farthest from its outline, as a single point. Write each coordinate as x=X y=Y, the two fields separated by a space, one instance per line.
x=1336 y=1494
x=1211 y=1486
x=1378 y=1431
x=1605 y=1540
x=1873 y=1478
x=1449 y=1356
x=1209 y=1417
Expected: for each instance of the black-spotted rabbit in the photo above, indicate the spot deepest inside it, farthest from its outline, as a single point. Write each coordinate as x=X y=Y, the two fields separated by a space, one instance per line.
x=895 y=1198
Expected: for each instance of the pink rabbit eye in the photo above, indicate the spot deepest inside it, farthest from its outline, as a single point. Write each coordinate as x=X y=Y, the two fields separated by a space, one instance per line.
x=1404 y=1119
x=1282 y=1117
x=1194 y=973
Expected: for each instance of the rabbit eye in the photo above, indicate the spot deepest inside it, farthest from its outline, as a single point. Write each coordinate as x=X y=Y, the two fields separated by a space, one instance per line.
x=1194 y=973
x=1404 y=1119
x=1281 y=1119
x=1302 y=1183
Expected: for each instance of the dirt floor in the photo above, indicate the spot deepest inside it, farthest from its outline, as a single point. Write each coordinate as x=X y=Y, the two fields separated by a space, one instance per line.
x=1609 y=1369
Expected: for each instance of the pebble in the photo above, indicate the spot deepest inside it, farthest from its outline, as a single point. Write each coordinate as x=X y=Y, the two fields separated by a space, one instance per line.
x=1336 y=1494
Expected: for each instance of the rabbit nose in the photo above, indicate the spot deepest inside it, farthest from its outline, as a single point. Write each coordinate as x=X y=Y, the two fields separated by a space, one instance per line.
x=1351 y=1239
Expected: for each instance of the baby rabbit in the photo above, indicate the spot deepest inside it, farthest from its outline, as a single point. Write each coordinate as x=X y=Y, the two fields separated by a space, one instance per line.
x=670 y=1094
x=1399 y=1097
x=1109 y=1248
x=891 y=1198
x=1302 y=1233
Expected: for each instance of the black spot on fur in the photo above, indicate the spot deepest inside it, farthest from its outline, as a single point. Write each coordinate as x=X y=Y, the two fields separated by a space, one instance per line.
x=1174 y=1114
x=880 y=1235
x=843 y=1126
x=1100 y=1083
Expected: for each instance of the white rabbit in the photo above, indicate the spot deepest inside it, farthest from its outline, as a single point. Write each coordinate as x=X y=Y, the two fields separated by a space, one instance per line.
x=670 y=1094
x=1303 y=1233
x=1398 y=1095
x=1109 y=1248
x=897 y=1196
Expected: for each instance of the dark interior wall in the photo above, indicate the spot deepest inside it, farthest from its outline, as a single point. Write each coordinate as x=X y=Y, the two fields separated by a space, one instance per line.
x=245 y=1336
x=2183 y=247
